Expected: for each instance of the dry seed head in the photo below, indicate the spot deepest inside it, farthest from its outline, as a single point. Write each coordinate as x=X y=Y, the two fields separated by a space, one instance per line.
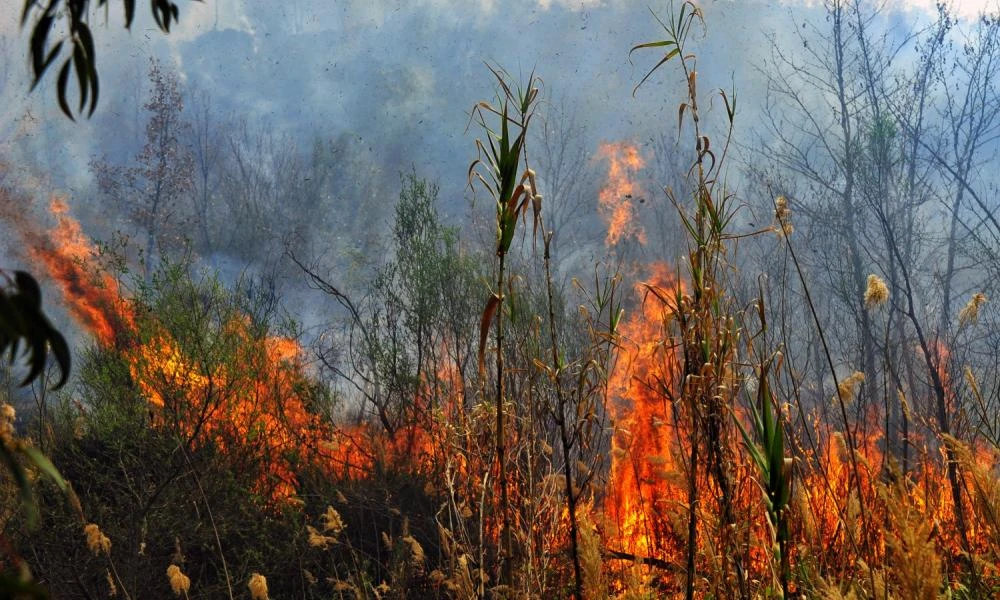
x=657 y=460
x=179 y=582
x=112 y=588
x=970 y=314
x=848 y=387
x=970 y=379
x=784 y=216
x=97 y=542
x=877 y=291
x=74 y=501
x=840 y=443
x=904 y=405
x=258 y=587
x=332 y=521
x=318 y=540
x=7 y=416
x=416 y=550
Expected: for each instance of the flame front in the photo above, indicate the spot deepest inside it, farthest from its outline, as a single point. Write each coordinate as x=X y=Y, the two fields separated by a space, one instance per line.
x=250 y=406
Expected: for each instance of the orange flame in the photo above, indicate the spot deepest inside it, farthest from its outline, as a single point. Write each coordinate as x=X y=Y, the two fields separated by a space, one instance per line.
x=644 y=446
x=252 y=408
x=68 y=255
x=615 y=199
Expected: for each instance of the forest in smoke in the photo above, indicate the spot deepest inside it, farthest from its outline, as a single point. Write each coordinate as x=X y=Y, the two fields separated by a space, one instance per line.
x=439 y=299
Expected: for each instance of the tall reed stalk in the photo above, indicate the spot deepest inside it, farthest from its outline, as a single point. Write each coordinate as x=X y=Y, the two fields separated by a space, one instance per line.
x=498 y=169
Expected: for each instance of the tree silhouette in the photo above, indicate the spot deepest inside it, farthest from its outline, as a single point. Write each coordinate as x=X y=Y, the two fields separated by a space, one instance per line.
x=151 y=190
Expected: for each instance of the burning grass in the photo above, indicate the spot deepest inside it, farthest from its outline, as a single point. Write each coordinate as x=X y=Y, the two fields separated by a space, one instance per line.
x=670 y=452
x=852 y=516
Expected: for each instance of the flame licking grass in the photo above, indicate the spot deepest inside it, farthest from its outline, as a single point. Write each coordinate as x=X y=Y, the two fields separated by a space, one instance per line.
x=643 y=456
x=615 y=201
x=253 y=404
x=254 y=407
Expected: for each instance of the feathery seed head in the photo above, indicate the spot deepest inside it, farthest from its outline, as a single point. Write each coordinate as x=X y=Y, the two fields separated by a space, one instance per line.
x=179 y=582
x=848 y=387
x=877 y=292
x=783 y=215
x=970 y=314
x=258 y=587
x=97 y=542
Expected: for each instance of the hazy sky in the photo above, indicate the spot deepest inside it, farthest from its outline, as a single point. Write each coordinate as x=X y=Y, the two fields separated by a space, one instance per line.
x=396 y=76
x=400 y=74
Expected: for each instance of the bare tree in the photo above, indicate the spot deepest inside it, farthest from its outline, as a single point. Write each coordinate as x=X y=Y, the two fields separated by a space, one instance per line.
x=816 y=113
x=560 y=151
x=206 y=146
x=154 y=191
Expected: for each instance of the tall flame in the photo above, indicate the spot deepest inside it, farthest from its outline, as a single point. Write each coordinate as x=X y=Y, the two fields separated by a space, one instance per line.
x=69 y=256
x=615 y=201
x=644 y=445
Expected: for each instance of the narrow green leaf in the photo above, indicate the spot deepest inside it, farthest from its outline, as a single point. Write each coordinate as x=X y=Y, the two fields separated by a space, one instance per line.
x=129 y=12
x=28 y=5
x=60 y=349
x=61 y=90
x=45 y=466
x=29 y=290
x=650 y=45
x=663 y=60
x=82 y=75
x=23 y=485
x=39 y=38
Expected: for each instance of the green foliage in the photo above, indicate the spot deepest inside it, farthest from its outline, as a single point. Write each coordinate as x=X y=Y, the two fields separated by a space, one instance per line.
x=159 y=495
x=417 y=306
x=22 y=319
x=496 y=168
x=77 y=45
x=677 y=31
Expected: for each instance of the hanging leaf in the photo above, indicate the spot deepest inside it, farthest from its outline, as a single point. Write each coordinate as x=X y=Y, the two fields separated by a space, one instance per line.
x=484 y=331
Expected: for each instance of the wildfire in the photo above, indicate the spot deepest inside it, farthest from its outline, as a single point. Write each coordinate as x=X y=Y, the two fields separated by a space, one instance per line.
x=93 y=298
x=253 y=408
x=835 y=494
x=643 y=447
x=615 y=201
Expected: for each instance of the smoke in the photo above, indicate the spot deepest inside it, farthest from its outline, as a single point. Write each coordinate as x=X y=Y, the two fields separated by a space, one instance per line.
x=397 y=77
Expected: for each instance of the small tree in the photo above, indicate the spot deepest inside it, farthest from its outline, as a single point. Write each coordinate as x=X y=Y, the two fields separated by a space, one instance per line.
x=153 y=191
